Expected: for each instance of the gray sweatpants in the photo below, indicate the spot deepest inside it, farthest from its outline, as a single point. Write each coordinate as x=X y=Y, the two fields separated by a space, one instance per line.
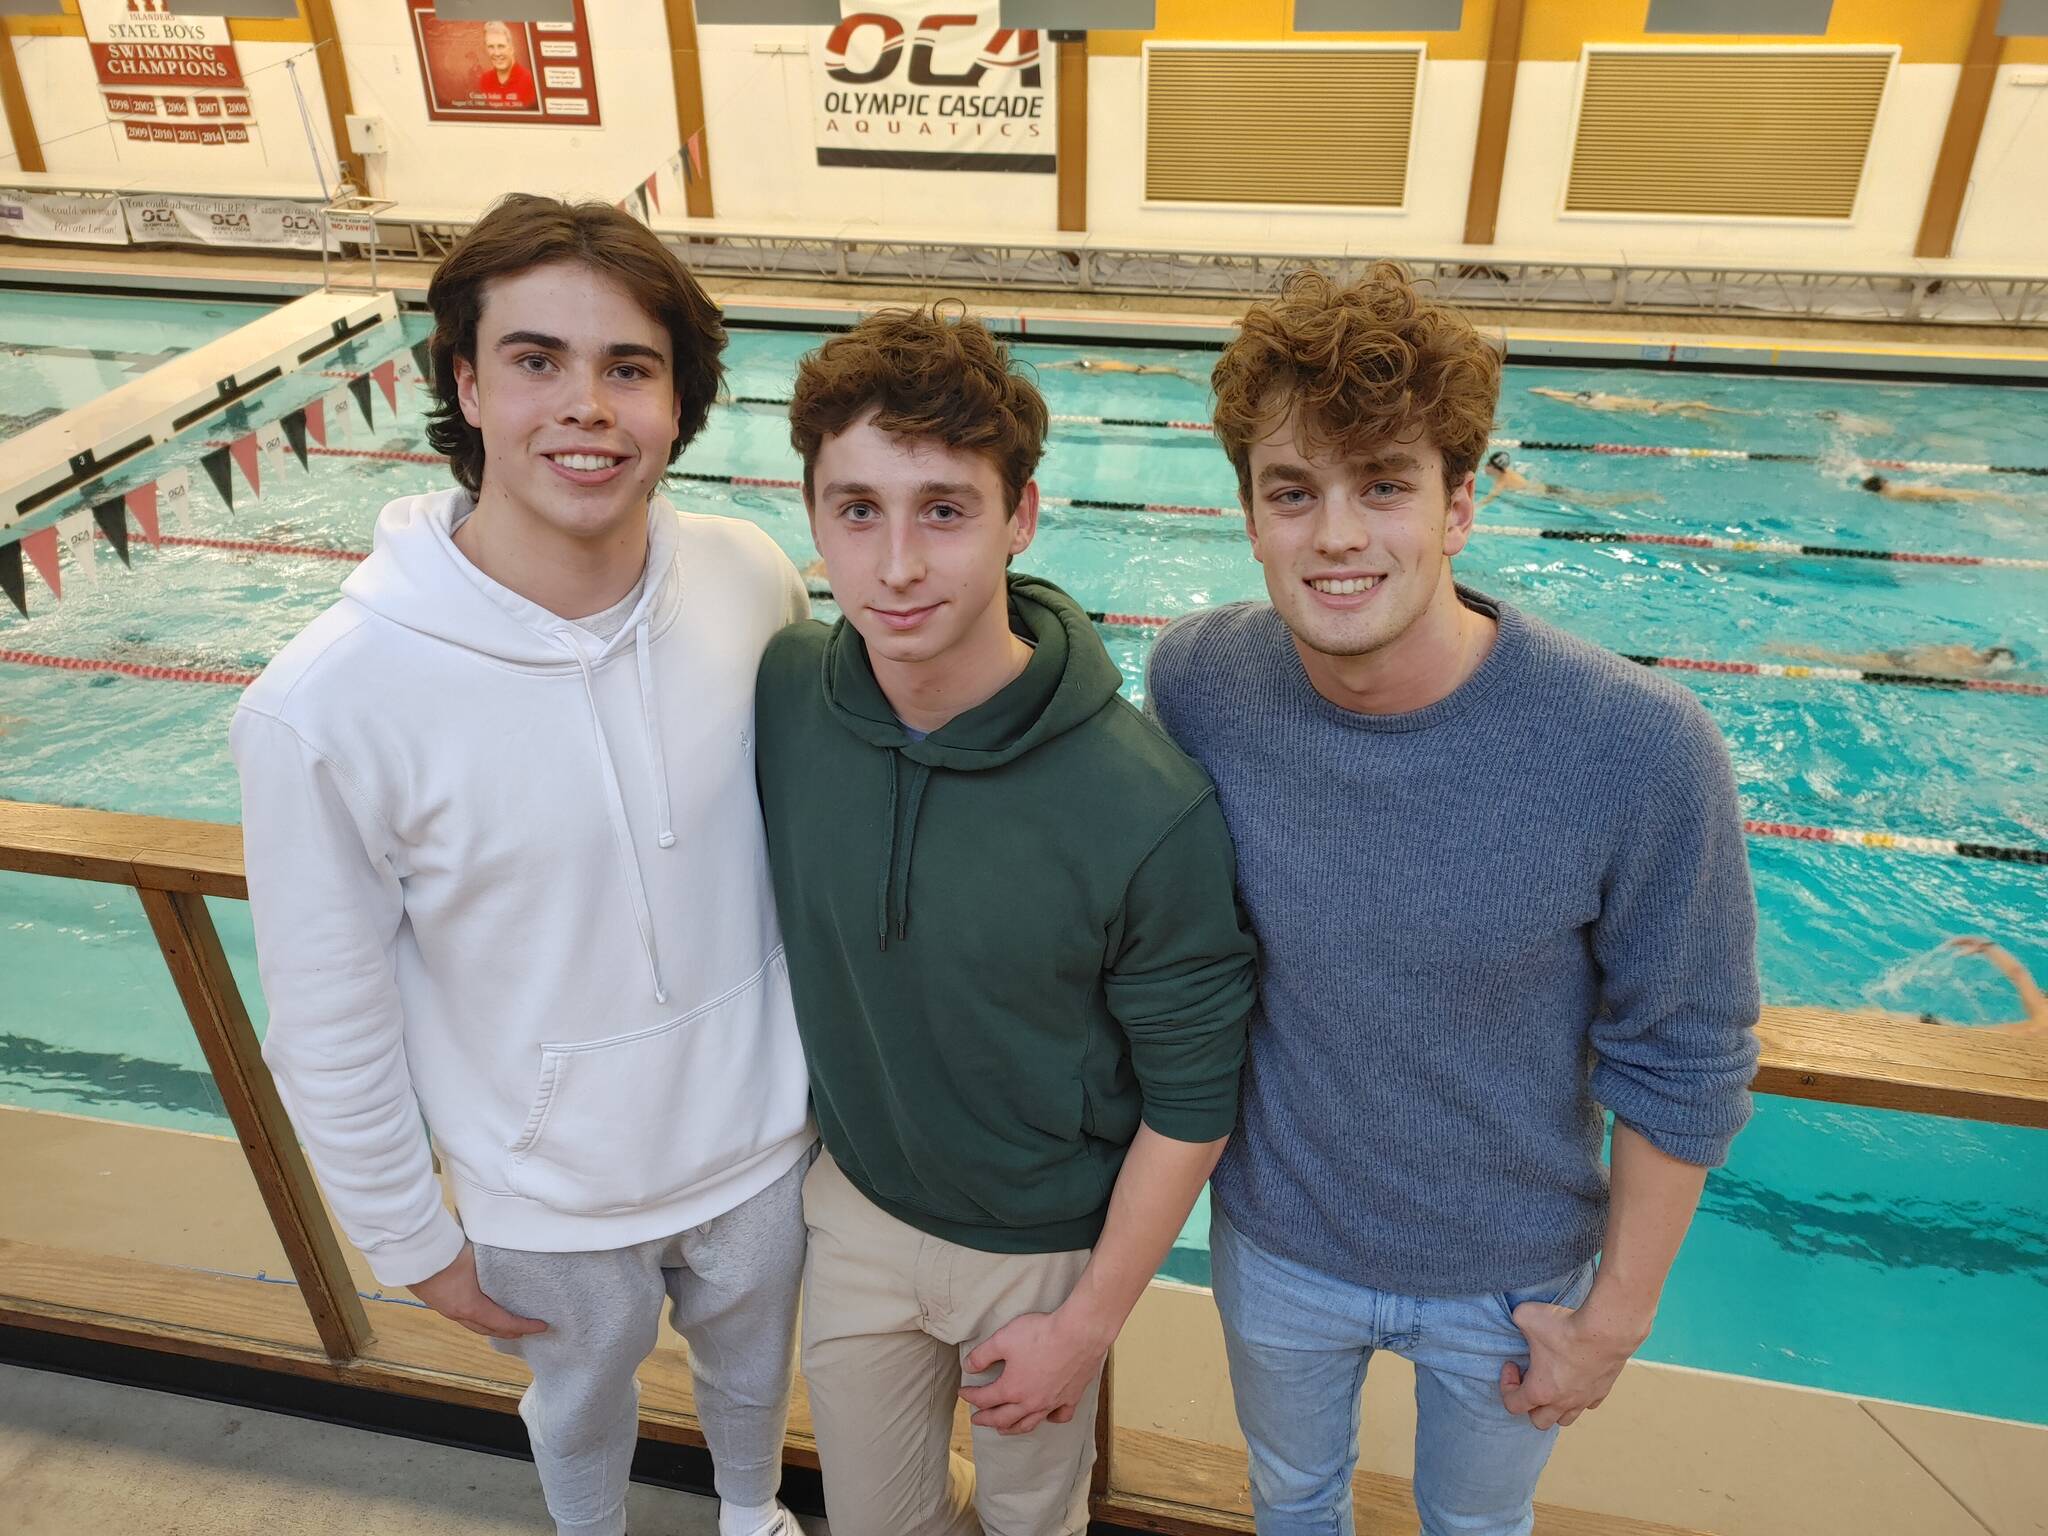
x=732 y=1285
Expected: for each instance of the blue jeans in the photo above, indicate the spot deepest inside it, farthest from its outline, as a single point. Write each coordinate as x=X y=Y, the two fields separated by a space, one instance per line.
x=1299 y=1343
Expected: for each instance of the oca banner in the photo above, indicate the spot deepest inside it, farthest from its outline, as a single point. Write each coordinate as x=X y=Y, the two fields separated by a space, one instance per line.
x=923 y=86
x=223 y=221
x=73 y=220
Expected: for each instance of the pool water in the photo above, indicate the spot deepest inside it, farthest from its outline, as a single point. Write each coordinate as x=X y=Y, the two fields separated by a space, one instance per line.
x=1882 y=1254
x=60 y=350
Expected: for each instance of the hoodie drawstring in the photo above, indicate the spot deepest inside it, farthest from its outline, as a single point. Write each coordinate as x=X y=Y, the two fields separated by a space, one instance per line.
x=893 y=898
x=658 y=764
x=615 y=802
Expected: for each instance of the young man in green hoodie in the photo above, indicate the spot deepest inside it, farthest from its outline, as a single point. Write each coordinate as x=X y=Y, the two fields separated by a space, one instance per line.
x=1020 y=974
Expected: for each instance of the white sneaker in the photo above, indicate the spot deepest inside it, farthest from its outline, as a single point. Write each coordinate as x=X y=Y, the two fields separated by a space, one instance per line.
x=781 y=1523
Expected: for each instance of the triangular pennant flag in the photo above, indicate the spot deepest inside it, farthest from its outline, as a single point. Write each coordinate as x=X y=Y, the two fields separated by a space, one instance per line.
x=174 y=498
x=41 y=549
x=12 y=582
x=640 y=197
x=142 y=507
x=243 y=450
x=423 y=358
x=294 y=424
x=270 y=444
x=359 y=386
x=77 y=535
x=693 y=156
x=216 y=466
x=112 y=516
x=316 y=423
x=653 y=190
x=386 y=375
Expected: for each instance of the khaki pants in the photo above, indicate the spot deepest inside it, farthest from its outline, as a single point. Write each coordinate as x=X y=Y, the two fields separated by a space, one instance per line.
x=889 y=1316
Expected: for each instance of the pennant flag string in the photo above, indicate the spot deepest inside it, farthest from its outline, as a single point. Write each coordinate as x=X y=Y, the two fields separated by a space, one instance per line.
x=112 y=516
x=294 y=425
x=12 y=581
x=216 y=466
x=142 y=504
x=359 y=386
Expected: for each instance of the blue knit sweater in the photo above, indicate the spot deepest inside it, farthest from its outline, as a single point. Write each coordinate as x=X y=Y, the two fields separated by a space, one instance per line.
x=1480 y=922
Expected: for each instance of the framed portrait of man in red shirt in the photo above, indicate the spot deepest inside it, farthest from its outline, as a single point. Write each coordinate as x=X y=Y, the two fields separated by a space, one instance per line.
x=506 y=71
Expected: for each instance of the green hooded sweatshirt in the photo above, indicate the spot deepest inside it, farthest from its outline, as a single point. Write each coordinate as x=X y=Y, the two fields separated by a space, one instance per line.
x=1009 y=942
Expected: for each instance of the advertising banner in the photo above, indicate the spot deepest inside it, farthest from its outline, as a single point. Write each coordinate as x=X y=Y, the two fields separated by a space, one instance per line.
x=243 y=221
x=912 y=85
x=75 y=220
x=506 y=71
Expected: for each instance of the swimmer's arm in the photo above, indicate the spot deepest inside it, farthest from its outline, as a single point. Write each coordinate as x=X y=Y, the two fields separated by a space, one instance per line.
x=1481 y=505
x=2031 y=996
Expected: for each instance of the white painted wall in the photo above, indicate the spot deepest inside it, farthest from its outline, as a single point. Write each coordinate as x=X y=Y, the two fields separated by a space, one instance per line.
x=1439 y=176
x=2005 y=222
x=1881 y=232
x=764 y=169
x=461 y=167
x=64 y=98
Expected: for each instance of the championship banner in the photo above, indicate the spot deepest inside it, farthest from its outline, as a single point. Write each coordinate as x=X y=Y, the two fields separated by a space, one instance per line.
x=244 y=221
x=506 y=71
x=167 y=79
x=912 y=85
x=73 y=220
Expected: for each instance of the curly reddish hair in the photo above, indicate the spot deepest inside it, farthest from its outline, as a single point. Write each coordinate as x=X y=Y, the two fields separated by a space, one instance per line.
x=932 y=372
x=1365 y=364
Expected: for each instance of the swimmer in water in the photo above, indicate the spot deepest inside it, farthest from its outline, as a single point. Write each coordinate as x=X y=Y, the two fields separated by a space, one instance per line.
x=1891 y=490
x=1639 y=405
x=2033 y=1021
x=1118 y=365
x=1916 y=660
x=1506 y=478
x=1859 y=426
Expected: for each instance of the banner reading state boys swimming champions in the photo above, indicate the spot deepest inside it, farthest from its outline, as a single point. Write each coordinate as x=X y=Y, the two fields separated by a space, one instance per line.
x=167 y=79
x=925 y=86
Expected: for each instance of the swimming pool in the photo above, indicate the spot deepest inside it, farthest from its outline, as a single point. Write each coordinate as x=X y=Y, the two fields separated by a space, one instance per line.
x=1880 y=1254
x=60 y=350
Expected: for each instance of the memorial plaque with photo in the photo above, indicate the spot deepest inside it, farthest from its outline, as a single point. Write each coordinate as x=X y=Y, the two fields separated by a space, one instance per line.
x=506 y=71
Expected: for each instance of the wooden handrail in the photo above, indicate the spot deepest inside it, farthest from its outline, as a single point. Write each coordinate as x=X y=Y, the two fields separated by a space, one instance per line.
x=1876 y=1060
x=1815 y=1053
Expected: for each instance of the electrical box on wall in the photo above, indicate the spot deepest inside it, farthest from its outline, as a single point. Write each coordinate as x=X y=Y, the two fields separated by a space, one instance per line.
x=365 y=135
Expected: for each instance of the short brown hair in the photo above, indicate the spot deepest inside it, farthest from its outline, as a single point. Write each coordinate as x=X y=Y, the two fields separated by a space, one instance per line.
x=926 y=373
x=1365 y=364
x=522 y=231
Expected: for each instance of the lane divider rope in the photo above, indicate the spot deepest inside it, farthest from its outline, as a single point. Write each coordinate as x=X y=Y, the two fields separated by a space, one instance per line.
x=1526 y=444
x=1172 y=509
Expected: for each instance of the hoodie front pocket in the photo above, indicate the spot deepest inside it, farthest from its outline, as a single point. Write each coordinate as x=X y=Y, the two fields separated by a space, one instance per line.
x=638 y=1119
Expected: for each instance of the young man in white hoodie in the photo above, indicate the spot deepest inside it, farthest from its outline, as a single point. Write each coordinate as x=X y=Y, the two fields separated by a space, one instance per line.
x=508 y=873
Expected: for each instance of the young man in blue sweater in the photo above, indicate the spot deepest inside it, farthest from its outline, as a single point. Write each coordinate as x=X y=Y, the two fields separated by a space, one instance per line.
x=1499 y=884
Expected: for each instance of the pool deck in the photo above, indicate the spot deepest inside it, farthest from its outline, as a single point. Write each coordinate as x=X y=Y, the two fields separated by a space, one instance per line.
x=82 y=1458
x=1596 y=337
x=1681 y=1448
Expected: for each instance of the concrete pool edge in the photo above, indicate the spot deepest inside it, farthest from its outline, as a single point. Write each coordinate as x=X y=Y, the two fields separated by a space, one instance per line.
x=1678 y=1445
x=1672 y=346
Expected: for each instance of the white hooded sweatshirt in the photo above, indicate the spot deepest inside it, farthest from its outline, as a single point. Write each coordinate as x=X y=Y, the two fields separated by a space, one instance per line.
x=513 y=877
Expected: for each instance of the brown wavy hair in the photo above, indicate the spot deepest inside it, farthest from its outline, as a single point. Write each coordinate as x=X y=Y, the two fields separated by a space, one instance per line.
x=932 y=372
x=522 y=231
x=1366 y=364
